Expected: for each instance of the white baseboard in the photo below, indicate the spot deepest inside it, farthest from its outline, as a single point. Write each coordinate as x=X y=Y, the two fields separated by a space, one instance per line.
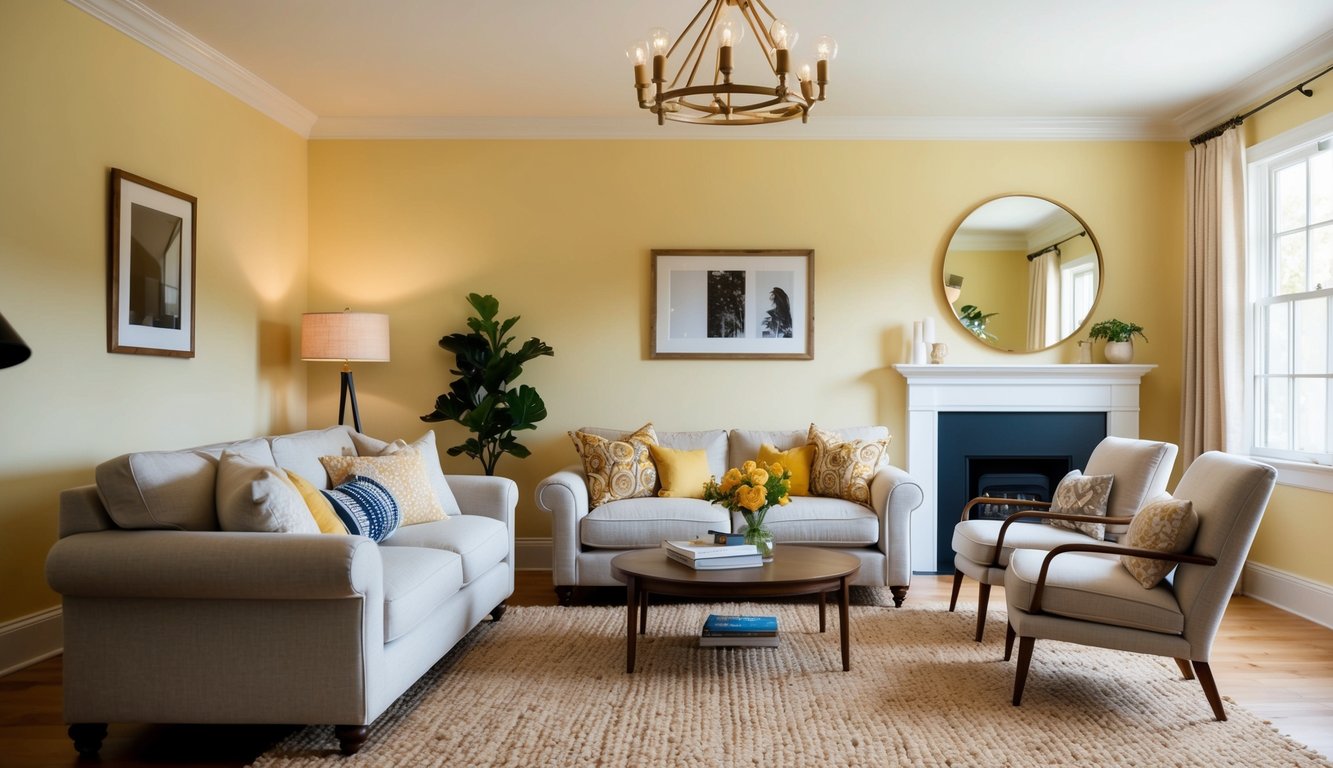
x=30 y=639
x=1293 y=594
x=532 y=554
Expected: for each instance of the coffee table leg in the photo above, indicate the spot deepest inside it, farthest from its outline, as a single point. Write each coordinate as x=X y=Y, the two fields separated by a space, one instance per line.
x=643 y=613
x=844 y=601
x=823 y=600
x=632 y=608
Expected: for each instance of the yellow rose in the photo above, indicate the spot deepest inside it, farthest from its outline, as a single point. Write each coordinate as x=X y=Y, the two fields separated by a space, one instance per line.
x=751 y=497
x=784 y=501
x=748 y=467
x=729 y=481
x=775 y=469
x=758 y=476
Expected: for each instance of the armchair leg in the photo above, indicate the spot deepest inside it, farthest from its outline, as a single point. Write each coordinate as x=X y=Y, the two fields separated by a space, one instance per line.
x=351 y=737
x=1024 y=659
x=1185 y=670
x=1205 y=676
x=87 y=738
x=957 y=585
x=1008 y=640
x=899 y=595
x=983 y=600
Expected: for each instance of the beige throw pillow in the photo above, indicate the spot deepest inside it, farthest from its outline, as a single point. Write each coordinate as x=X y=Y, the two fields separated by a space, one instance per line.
x=402 y=473
x=258 y=498
x=617 y=469
x=843 y=468
x=1080 y=494
x=430 y=460
x=1168 y=525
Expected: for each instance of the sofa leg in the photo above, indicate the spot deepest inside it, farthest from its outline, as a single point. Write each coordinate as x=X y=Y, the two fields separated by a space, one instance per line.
x=899 y=594
x=498 y=612
x=87 y=738
x=564 y=595
x=351 y=737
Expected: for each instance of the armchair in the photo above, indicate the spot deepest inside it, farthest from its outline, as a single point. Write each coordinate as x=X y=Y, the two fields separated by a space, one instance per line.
x=982 y=547
x=1080 y=593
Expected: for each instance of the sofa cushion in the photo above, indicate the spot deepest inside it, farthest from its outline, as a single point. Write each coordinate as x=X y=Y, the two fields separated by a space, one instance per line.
x=844 y=467
x=416 y=582
x=479 y=541
x=1092 y=587
x=366 y=507
x=634 y=523
x=744 y=444
x=169 y=490
x=403 y=473
x=681 y=474
x=820 y=521
x=430 y=458
x=617 y=467
x=300 y=451
x=975 y=539
x=257 y=497
x=712 y=442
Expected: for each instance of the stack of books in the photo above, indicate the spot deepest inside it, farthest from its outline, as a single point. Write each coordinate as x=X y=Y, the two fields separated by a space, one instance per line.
x=707 y=556
x=750 y=631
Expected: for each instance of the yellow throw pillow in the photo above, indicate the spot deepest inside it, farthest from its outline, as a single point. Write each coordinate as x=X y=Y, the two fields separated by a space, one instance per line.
x=844 y=468
x=682 y=473
x=1168 y=525
x=617 y=469
x=402 y=473
x=797 y=461
x=319 y=506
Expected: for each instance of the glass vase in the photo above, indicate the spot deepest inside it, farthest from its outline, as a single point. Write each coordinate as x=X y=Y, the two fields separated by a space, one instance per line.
x=762 y=539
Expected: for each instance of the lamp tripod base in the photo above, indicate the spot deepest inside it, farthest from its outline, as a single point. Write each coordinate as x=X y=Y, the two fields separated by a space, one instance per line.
x=348 y=388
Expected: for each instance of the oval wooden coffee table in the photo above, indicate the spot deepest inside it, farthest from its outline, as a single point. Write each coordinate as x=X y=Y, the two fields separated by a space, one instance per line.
x=794 y=571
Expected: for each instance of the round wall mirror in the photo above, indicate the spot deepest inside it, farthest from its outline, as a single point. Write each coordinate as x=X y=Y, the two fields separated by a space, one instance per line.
x=1022 y=273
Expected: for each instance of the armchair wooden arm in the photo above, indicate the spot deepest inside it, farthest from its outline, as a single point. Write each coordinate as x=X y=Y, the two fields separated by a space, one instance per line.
x=1112 y=549
x=1010 y=520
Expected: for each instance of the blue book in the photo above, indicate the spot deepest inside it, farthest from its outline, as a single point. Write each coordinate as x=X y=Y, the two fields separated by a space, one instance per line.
x=737 y=626
x=730 y=539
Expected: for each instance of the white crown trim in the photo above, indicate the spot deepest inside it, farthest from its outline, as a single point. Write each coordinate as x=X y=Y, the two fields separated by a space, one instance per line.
x=1264 y=84
x=148 y=27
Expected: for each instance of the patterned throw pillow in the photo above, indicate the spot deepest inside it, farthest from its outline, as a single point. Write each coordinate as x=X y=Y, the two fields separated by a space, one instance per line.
x=320 y=508
x=1168 y=525
x=366 y=507
x=844 y=468
x=1080 y=494
x=617 y=469
x=796 y=460
x=403 y=473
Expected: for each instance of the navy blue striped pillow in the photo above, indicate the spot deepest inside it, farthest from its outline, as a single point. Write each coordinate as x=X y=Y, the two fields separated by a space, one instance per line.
x=366 y=507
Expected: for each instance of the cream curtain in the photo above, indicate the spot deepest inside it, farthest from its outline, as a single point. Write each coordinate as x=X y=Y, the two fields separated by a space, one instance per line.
x=1212 y=410
x=1044 y=300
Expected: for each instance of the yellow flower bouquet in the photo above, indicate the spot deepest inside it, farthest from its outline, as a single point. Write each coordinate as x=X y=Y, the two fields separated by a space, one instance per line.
x=751 y=491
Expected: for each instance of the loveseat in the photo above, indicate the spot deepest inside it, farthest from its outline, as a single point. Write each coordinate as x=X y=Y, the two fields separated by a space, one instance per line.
x=586 y=536
x=168 y=619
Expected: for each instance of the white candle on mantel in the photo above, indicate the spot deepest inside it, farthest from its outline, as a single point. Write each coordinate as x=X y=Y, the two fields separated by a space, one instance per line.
x=928 y=331
x=918 y=343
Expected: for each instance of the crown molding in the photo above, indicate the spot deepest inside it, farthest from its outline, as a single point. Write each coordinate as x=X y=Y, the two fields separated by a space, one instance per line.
x=148 y=27
x=1264 y=84
x=819 y=128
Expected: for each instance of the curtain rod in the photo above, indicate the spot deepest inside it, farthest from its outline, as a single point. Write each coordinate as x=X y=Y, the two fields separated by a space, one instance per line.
x=1056 y=246
x=1235 y=122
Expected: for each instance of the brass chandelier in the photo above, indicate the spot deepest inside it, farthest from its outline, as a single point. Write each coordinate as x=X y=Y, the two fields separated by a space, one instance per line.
x=691 y=98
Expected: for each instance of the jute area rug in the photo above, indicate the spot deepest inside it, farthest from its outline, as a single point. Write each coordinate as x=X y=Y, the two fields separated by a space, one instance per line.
x=547 y=687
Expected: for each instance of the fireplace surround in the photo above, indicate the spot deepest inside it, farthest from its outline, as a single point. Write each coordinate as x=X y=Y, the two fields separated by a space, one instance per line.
x=1088 y=394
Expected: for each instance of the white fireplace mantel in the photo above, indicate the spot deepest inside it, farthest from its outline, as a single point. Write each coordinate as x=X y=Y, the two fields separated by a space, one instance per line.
x=932 y=389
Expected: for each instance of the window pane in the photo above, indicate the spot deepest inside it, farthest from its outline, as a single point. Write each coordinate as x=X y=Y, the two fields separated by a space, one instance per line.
x=1290 y=264
x=1321 y=187
x=1321 y=258
x=1312 y=415
x=1311 y=336
x=1278 y=430
x=1290 y=210
x=1278 y=339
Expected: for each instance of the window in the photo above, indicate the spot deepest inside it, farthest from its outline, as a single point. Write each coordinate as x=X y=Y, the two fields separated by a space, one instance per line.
x=1290 y=390
x=1078 y=291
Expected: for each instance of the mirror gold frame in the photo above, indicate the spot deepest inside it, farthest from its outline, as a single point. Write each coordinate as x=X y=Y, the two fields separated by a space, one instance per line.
x=1022 y=273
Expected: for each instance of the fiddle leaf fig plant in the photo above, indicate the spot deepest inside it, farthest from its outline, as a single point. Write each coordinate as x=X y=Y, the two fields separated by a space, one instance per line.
x=483 y=397
x=1115 y=330
x=973 y=320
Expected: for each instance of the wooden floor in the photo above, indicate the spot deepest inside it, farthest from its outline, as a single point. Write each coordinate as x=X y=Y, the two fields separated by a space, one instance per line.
x=1272 y=663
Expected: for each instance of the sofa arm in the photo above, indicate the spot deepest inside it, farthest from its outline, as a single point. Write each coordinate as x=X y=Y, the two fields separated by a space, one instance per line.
x=894 y=495
x=214 y=565
x=564 y=496
x=488 y=496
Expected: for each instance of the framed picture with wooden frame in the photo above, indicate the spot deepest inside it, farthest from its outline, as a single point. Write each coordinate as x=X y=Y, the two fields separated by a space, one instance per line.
x=740 y=304
x=150 y=278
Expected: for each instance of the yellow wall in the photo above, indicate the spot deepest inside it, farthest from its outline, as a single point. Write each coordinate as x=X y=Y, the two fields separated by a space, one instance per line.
x=996 y=281
x=78 y=99
x=561 y=232
x=1297 y=526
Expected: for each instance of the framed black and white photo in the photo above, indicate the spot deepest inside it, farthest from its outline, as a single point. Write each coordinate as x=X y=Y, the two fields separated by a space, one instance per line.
x=150 y=302
x=733 y=303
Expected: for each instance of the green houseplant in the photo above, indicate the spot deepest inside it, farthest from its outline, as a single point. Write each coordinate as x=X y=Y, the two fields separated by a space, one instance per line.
x=973 y=320
x=1119 y=338
x=482 y=398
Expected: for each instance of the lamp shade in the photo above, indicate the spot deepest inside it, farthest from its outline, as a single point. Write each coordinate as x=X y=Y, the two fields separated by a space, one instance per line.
x=345 y=336
x=12 y=349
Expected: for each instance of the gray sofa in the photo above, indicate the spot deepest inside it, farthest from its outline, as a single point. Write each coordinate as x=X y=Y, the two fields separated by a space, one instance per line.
x=169 y=620
x=584 y=541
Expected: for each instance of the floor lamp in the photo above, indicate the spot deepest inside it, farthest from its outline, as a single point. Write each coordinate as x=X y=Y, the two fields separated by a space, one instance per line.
x=12 y=349
x=345 y=337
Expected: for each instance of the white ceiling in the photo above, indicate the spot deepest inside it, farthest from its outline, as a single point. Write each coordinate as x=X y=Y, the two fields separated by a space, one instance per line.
x=1095 y=68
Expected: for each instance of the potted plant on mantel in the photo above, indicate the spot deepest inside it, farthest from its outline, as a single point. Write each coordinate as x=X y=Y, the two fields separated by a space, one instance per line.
x=1119 y=339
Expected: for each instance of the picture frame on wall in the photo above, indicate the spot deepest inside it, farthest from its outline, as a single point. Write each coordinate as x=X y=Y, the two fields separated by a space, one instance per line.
x=738 y=304
x=150 y=292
